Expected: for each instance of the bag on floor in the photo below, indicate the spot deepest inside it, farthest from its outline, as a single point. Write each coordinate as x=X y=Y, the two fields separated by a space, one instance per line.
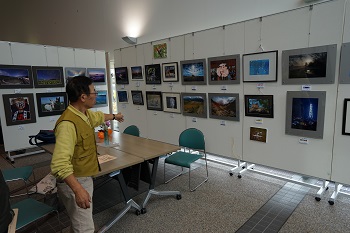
x=45 y=136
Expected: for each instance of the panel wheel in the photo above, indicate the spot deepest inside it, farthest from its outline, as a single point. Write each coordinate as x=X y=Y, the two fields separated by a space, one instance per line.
x=143 y=210
x=331 y=202
x=239 y=176
x=231 y=174
x=178 y=196
x=317 y=198
x=138 y=212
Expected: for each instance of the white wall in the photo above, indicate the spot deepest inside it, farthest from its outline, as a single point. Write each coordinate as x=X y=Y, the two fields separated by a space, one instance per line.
x=40 y=55
x=299 y=28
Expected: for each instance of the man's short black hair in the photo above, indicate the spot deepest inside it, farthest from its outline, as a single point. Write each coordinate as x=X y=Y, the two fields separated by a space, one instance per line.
x=77 y=86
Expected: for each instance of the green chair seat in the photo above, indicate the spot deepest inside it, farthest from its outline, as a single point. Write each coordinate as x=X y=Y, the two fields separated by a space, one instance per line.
x=18 y=173
x=183 y=159
x=30 y=210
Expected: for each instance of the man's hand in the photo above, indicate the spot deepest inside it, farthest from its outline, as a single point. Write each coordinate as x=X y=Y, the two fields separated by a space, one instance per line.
x=82 y=198
x=119 y=117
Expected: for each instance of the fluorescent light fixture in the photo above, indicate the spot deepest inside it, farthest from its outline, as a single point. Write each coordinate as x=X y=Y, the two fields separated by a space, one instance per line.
x=130 y=40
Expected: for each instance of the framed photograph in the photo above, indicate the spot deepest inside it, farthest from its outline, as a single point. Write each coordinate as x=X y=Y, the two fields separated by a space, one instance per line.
x=136 y=73
x=344 y=73
x=51 y=103
x=153 y=74
x=305 y=113
x=19 y=109
x=137 y=97
x=346 y=118
x=154 y=100
x=160 y=51
x=71 y=72
x=193 y=72
x=315 y=65
x=224 y=106
x=121 y=75
x=259 y=105
x=101 y=99
x=224 y=70
x=12 y=77
x=98 y=75
x=170 y=72
x=260 y=67
x=171 y=102
x=46 y=76
x=194 y=104
x=123 y=96
x=258 y=134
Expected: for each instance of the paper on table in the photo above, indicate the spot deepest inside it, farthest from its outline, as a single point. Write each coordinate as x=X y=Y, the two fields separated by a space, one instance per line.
x=105 y=158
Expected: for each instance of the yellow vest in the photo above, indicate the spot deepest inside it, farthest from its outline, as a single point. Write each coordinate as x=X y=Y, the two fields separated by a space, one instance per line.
x=84 y=160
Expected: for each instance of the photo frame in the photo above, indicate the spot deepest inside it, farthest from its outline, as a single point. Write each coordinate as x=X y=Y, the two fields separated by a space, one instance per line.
x=71 y=72
x=160 y=51
x=153 y=74
x=101 y=99
x=344 y=73
x=260 y=67
x=258 y=134
x=51 y=103
x=305 y=113
x=98 y=75
x=258 y=105
x=137 y=97
x=194 y=104
x=171 y=102
x=121 y=75
x=19 y=109
x=224 y=70
x=13 y=76
x=169 y=71
x=123 y=97
x=154 y=100
x=136 y=73
x=47 y=76
x=224 y=106
x=315 y=65
x=193 y=72
x=346 y=117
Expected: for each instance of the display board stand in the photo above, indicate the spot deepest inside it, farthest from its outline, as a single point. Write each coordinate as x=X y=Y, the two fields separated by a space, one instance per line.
x=250 y=167
x=12 y=157
x=337 y=191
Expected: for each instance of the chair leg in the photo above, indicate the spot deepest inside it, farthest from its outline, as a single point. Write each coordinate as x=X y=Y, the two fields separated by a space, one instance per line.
x=205 y=180
x=167 y=181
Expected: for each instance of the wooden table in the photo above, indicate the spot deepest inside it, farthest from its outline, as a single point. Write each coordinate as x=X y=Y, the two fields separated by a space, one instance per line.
x=147 y=149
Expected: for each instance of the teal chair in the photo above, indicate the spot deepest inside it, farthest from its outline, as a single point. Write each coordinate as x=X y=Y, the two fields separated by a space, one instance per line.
x=132 y=130
x=30 y=210
x=193 y=144
x=19 y=173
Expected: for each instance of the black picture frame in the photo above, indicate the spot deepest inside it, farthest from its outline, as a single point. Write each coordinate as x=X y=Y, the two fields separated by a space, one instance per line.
x=48 y=76
x=224 y=106
x=71 y=72
x=51 y=103
x=13 y=76
x=193 y=72
x=258 y=105
x=346 y=115
x=153 y=74
x=98 y=75
x=121 y=75
x=154 y=100
x=260 y=67
x=136 y=73
x=123 y=97
x=19 y=109
x=137 y=97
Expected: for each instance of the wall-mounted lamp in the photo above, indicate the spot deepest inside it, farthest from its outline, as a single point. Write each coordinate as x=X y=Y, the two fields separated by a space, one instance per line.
x=130 y=40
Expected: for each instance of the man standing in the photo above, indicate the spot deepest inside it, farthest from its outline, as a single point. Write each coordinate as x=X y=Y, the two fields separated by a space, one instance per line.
x=74 y=160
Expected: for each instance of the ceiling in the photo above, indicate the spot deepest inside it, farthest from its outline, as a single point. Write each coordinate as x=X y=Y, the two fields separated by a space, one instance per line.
x=100 y=24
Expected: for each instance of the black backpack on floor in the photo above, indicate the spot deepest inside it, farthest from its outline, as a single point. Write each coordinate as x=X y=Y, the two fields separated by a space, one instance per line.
x=6 y=213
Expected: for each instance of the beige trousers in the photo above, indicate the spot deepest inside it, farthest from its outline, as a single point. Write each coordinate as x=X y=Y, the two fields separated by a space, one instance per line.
x=82 y=221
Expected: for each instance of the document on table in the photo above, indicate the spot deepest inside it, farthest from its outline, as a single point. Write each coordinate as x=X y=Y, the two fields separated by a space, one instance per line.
x=105 y=158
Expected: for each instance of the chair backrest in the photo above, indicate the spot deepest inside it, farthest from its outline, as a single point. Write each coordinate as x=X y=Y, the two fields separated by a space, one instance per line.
x=192 y=138
x=5 y=210
x=132 y=130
